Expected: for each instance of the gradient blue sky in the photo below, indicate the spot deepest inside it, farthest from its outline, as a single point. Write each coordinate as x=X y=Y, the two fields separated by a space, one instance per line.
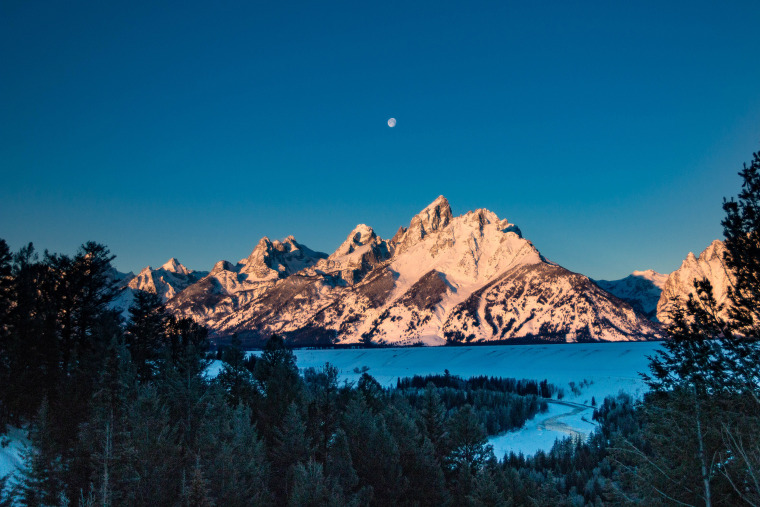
x=608 y=131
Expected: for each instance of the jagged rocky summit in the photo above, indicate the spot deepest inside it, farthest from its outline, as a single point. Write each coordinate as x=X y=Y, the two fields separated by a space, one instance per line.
x=680 y=283
x=443 y=279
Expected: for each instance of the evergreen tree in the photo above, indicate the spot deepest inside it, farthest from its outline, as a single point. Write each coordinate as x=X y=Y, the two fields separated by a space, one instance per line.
x=279 y=384
x=106 y=437
x=741 y=228
x=6 y=292
x=312 y=489
x=198 y=492
x=710 y=365
x=422 y=471
x=146 y=332
x=6 y=302
x=42 y=482
x=290 y=446
x=374 y=452
x=432 y=414
x=30 y=352
x=339 y=466
x=741 y=432
x=469 y=449
x=185 y=346
x=372 y=392
x=323 y=410
x=485 y=490
x=233 y=456
x=157 y=461
x=235 y=378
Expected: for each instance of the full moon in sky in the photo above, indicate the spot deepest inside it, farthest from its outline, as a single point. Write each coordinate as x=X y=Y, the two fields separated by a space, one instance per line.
x=392 y=122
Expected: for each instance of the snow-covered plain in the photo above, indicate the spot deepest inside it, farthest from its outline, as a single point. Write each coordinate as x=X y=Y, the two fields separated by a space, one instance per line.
x=597 y=370
x=611 y=367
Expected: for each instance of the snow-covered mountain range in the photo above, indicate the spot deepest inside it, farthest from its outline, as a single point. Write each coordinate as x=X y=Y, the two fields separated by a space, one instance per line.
x=463 y=279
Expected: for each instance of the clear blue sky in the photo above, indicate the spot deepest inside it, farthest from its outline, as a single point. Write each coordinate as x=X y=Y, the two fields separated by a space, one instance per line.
x=608 y=131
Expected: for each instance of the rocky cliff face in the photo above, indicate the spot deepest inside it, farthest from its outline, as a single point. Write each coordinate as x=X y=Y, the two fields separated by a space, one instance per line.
x=680 y=283
x=469 y=278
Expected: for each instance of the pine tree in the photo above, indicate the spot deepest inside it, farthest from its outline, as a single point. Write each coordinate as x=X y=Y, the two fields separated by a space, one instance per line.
x=6 y=288
x=198 y=491
x=31 y=352
x=42 y=480
x=233 y=456
x=6 y=302
x=290 y=446
x=157 y=461
x=423 y=476
x=279 y=383
x=710 y=366
x=486 y=492
x=311 y=488
x=469 y=447
x=339 y=466
x=322 y=410
x=185 y=346
x=374 y=452
x=372 y=392
x=235 y=378
x=106 y=438
x=146 y=332
x=433 y=414
x=741 y=228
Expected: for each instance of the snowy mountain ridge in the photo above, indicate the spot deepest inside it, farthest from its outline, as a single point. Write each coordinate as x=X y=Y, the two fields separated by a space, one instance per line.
x=442 y=279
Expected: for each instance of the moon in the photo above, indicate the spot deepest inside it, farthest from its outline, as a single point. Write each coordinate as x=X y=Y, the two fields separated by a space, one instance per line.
x=392 y=122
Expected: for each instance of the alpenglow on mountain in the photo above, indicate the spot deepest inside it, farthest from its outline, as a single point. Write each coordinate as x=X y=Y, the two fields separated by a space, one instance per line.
x=709 y=264
x=443 y=279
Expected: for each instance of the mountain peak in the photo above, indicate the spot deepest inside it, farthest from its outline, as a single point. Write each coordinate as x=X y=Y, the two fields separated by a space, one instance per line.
x=709 y=264
x=434 y=217
x=277 y=259
x=222 y=266
x=715 y=250
x=438 y=202
x=174 y=266
x=360 y=236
